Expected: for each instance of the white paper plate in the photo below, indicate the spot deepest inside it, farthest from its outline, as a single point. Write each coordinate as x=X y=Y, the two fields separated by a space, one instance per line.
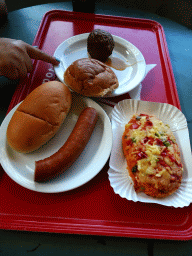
x=20 y=167
x=76 y=48
x=118 y=175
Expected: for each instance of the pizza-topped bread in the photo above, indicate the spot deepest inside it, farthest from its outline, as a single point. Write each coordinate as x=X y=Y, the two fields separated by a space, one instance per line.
x=153 y=156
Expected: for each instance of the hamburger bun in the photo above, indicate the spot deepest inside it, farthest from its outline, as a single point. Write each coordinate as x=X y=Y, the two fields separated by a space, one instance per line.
x=90 y=77
x=39 y=116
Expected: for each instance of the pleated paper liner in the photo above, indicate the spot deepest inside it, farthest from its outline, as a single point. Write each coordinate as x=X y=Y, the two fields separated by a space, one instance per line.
x=118 y=174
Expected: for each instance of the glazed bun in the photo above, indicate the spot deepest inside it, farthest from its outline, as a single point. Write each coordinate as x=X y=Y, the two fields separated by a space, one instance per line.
x=90 y=77
x=39 y=116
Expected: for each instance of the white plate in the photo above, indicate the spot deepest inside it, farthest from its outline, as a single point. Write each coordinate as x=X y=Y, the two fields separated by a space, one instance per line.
x=76 y=48
x=118 y=174
x=20 y=167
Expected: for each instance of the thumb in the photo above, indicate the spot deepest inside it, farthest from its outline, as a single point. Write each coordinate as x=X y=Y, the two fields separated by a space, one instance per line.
x=37 y=54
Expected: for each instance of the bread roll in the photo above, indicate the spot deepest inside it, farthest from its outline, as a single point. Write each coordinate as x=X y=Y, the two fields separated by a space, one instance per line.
x=90 y=77
x=39 y=116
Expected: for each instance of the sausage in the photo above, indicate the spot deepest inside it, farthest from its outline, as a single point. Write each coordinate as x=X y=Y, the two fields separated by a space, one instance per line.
x=71 y=150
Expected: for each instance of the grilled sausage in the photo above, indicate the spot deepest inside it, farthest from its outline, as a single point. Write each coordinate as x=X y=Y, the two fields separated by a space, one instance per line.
x=72 y=148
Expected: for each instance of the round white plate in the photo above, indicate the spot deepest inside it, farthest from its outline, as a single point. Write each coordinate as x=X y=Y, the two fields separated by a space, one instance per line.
x=76 y=48
x=20 y=167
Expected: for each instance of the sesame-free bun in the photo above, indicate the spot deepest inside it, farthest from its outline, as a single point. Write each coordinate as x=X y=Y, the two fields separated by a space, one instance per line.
x=90 y=77
x=39 y=116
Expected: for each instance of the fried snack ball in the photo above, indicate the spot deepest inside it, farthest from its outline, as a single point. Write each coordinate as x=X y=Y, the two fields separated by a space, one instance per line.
x=100 y=44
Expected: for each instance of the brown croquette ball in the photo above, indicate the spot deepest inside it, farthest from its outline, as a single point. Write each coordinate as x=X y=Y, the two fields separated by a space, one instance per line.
x=100 y=44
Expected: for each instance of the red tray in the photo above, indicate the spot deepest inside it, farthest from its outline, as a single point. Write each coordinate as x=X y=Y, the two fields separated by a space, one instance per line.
x=94 y=208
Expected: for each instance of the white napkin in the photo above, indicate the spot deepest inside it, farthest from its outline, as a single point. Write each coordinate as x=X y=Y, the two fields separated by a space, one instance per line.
x=136 y=92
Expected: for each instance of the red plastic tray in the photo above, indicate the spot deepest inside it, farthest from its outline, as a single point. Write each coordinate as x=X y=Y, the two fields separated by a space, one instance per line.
x=94 y=208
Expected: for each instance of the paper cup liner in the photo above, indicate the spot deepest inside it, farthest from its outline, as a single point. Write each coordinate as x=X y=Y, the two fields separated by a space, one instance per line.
x=118 y=174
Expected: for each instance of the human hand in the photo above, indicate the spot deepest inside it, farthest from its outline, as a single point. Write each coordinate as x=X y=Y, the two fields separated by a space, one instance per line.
x=15 y=58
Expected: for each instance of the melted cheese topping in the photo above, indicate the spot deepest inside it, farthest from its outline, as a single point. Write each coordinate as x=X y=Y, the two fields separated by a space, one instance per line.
x=138 y=134
x=155 y=130
x=153 y=157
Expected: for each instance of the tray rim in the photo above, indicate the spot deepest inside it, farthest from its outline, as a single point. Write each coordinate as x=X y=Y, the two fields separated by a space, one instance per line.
x=80 y=226
x=87 y=227
x=23 y=89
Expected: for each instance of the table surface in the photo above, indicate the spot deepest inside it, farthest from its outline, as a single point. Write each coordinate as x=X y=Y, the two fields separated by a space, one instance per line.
x=23 y=24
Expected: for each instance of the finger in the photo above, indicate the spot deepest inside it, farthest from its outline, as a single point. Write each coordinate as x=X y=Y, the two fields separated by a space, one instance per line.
x=13 y=76
x=29 y=64
x=23 y=64
x=37 y=54
x=22 y=70
x=11 y=73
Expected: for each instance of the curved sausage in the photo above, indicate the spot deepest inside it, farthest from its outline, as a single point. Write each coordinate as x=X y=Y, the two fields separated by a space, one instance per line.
x=72 y=148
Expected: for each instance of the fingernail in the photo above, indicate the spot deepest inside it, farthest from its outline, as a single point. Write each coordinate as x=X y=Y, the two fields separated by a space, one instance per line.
x=57 y=60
